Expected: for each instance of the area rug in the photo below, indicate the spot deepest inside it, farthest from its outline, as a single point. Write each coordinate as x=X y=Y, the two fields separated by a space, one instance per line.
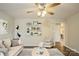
x=52 y=52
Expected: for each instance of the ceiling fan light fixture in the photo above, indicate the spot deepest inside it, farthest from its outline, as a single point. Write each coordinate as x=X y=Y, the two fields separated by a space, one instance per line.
x=39 y=13
x=40 y=7
x=44 y=12
x=42 y=15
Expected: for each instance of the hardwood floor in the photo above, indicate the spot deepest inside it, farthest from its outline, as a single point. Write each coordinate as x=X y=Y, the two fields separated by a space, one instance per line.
x=66 y=51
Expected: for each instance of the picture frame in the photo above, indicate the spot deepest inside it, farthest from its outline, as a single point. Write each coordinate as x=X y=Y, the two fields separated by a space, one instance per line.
x=3 y=26
x=35 y=23
x=34 y=28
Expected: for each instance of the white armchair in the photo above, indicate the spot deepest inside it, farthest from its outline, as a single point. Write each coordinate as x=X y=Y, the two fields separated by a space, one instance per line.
x=49 y=43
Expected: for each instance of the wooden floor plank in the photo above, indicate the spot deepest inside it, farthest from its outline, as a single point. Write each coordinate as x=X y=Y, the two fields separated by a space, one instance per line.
x=66 y=51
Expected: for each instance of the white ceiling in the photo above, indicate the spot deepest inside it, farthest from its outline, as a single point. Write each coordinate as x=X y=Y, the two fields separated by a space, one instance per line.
x=18 y=10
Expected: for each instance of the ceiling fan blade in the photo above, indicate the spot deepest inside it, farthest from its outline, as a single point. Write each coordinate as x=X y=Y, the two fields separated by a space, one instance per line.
x=51 y=13
x=54 y=4
x=29 y=11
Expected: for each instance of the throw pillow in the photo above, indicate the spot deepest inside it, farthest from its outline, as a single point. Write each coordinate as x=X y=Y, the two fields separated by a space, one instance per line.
x=15 y=42
x=3 y=50
x=1 y=44
x=7 y=43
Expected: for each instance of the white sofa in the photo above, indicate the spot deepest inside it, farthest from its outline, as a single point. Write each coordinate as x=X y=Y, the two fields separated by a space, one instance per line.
x=13 y=50
x=49 y=44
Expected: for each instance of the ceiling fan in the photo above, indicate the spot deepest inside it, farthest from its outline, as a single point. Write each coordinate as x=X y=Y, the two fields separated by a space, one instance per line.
x=44 y=8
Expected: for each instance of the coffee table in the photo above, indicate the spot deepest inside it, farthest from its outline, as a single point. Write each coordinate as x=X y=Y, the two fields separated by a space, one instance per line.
x=40 y=51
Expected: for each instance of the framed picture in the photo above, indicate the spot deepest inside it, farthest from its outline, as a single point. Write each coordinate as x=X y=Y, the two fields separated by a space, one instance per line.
x=34 y=28
x=35 y=23
x=3 y=26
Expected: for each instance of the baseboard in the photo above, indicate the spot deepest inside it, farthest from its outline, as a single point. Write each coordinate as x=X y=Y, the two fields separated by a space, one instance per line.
x=72 y=49
x=30 y=46
x=37 y=46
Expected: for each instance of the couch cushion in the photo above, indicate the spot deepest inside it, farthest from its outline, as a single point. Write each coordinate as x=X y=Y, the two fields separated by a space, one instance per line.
x=7 y=42
x=14 y=42
x=14 y=50
x=1 y=54
x=4 y=51
x=1 y=44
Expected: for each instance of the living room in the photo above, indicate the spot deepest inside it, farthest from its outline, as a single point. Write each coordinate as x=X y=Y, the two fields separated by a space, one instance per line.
x=24 y=30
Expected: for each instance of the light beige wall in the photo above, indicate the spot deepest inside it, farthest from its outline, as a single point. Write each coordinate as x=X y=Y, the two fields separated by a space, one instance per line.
x=72 y=32
x=10 y=20
x=47 y=28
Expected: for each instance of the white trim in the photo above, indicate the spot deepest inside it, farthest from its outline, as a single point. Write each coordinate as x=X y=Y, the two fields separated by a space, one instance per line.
x=71 y=48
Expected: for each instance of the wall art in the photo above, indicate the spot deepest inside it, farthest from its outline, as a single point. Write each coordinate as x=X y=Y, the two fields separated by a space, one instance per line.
x=34 y=28
x=3 y=26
